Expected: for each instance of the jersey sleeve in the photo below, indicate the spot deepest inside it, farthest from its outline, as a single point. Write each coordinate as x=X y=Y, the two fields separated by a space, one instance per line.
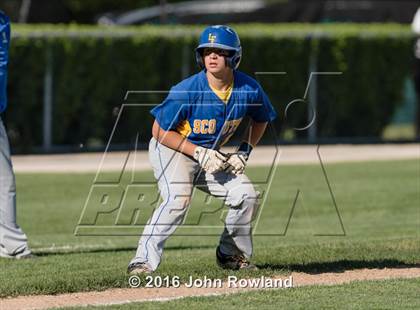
x=172 y=110
x=261 y=110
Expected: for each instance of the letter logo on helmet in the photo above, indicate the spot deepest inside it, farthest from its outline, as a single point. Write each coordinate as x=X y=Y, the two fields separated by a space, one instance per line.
x=212 y=38
x=222 y=37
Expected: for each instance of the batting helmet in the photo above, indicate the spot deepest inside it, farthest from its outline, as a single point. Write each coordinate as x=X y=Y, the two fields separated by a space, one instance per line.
x=222 y=37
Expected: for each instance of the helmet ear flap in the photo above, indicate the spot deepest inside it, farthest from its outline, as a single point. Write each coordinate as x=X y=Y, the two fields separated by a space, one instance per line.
x=199 y=59
x=235 y=60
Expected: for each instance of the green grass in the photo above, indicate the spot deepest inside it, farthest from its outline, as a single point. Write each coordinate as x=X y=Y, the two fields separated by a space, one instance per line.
x=378 y=203
x=389 y=294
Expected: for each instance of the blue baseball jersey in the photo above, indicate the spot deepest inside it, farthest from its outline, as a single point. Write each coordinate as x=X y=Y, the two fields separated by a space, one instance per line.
x=194 y=110
x=4 y=57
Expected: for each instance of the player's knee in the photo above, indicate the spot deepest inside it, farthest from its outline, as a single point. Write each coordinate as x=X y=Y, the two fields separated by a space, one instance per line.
x=7 y=181
x=177 y=206
x=181 y=202
x=180 y=196
x=244 y=194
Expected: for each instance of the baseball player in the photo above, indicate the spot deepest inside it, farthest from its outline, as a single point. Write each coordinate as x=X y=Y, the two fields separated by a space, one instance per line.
x=13 y=242
x=198 y=116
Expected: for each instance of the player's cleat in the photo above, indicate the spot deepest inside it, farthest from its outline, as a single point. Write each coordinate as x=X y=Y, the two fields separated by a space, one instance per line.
x=138 y=268
x=25 y=254
x=233 y=262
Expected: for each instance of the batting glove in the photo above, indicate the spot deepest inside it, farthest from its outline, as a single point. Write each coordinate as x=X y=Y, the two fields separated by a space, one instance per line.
x=236 y=162
x=210 y=160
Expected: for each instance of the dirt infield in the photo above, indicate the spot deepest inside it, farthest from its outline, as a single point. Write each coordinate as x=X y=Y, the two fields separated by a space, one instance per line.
x=128 y=295
x=261 y=156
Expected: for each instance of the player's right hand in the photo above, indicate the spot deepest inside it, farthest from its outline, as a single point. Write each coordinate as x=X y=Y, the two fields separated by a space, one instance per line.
x=210 y=160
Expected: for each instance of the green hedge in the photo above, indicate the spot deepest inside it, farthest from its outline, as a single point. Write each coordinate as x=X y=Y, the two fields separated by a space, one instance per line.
x=93 y=67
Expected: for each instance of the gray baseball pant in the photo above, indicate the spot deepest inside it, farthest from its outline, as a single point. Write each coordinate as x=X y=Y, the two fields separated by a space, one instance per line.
x=177 y=174
x=13 y=242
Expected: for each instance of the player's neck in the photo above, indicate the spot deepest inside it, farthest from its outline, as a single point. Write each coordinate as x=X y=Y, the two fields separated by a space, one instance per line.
x=220 y=81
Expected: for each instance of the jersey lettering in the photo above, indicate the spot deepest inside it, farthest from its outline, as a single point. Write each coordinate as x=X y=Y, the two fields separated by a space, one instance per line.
x=229 y=129
x=204 y=126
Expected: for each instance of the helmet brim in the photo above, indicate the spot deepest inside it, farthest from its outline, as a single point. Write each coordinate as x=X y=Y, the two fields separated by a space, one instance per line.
x=216 y=45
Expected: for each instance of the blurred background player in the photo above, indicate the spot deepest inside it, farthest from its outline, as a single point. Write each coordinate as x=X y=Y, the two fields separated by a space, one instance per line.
x=13 y=242
x=199 y=115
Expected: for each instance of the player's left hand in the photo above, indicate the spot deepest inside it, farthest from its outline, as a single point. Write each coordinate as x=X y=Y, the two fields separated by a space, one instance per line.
x=236 y=163
x=210 y=160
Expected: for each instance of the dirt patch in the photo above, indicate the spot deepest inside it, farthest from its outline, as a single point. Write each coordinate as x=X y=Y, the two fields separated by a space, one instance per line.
x=122 y=296
x=261 y=156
